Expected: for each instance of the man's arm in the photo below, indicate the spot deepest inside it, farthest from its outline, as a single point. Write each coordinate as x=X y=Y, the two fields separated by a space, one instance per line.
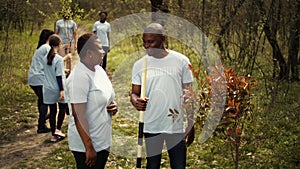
x=78 y=111
x=56 y=29
x=108 y=41
x=188 y=102
x=75 y=38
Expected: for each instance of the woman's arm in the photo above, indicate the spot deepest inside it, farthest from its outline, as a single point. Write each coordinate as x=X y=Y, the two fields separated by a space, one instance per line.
x=78 y=111
x=61 y=88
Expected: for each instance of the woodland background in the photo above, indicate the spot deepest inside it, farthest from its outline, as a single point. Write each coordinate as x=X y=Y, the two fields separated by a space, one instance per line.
x=259 y=38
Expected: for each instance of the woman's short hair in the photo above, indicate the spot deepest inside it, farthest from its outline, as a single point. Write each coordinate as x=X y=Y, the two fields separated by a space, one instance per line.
x=85 y=42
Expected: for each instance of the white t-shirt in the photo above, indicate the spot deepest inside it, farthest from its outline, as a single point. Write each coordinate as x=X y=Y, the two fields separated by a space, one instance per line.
x=36 y=71
x=51 y=91
x=82 y=89
x=165 y=78
x=101 y=30
x=66 y=29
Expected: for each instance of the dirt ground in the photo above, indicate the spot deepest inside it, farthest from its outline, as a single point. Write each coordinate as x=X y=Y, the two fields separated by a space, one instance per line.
x=27 y=144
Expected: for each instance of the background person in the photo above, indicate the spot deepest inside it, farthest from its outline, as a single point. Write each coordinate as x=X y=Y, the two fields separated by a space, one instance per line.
x=168 y=76
x=92 y=102
x=67 y=30
x=102 y=29
x=36 y=77
x=53 y=88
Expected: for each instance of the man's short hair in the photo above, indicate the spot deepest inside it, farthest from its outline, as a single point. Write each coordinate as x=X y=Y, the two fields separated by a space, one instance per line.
x=155 y=28
x=103 y=12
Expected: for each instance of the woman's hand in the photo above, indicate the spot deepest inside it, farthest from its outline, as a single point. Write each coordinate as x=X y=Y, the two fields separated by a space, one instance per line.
x=112 y=108
x=62 y=95
x=91 y=157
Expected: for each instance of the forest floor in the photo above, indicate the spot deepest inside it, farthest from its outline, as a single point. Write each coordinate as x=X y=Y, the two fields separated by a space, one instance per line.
x=26 y=144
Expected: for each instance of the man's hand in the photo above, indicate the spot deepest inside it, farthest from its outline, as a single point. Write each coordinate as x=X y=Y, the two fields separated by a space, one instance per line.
x=112 y=108
x=140 y=104
x=190 y=136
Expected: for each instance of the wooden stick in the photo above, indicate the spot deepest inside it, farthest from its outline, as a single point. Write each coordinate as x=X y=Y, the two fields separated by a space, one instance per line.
x=141 y=117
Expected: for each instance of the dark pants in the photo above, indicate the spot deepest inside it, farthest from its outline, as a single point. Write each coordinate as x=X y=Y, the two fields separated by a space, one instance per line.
x=176 y=150
x=105 y=48
x=61 y=116
x=42 y=108
x=100 y=163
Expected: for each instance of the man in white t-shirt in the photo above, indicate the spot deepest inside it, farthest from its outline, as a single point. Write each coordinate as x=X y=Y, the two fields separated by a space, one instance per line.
x=168 y=76
x=102 y=29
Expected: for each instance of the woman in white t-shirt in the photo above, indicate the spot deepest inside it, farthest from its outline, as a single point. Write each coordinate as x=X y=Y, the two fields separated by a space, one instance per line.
x=53 y=88
x=36 y=77
x=92 y=102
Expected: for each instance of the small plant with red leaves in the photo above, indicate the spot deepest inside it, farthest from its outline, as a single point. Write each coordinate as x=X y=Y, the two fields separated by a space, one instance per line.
x=237 y=112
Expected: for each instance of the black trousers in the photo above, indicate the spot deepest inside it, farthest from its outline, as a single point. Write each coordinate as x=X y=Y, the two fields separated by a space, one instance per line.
x=42 y=108
x=61 y=116
x=105 y=48
x=176 y=149
x=80 y=158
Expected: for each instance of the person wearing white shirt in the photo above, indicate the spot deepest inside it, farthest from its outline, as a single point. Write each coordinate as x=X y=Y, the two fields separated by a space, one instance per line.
x=92 y=106
x=102 y=30
x=36 y=77
x=67 y=31
x=168 y=77
x=54 y=87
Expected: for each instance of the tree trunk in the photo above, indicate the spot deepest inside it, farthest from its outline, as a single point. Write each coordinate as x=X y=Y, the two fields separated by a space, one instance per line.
x=156 y=5
x=283 y=74
x=159 y=7
x=294 y=45
x=225 y=27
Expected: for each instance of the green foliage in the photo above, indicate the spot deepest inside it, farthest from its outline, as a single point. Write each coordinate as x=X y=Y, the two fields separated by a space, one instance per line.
x=16 y=95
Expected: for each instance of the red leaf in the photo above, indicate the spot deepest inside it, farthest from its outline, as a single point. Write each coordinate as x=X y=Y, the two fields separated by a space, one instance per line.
x=231 y=115
x=230 y=132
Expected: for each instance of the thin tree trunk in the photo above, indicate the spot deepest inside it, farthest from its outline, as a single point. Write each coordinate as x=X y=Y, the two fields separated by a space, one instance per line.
x=294 y=45
x=273 y=42
x=156 y=5
x=225 y=27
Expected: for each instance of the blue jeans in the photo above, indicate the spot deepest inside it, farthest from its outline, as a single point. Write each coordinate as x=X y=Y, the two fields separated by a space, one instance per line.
x=42 y=108
x=176 y=149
